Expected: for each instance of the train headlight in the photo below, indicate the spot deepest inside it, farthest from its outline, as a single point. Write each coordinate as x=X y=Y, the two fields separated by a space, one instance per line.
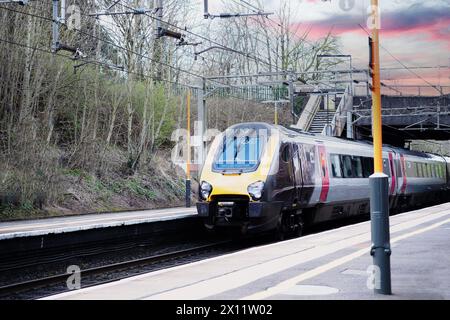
x=255 y=190
x=205 y=190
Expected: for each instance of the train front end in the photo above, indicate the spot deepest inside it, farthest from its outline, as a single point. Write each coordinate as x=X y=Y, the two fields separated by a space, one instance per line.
x=233 y=192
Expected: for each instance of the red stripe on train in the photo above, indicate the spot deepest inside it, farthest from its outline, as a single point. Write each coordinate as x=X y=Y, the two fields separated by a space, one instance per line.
x=325 y=175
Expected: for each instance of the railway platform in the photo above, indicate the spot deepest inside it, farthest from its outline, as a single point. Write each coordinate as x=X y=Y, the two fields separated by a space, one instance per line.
x=59 y=225
x=330 y=265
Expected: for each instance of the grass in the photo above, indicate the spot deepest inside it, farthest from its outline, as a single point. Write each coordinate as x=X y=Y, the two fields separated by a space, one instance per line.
x=74 y=172
x=137 y=189
x=24 y=211
x=77 y=190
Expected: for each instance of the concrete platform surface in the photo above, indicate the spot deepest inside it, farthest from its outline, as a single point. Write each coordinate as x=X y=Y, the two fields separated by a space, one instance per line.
x=330 y=265
x=27 y=228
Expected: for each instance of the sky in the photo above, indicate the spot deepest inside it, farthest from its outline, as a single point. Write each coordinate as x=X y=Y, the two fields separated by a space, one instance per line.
x=414 y=31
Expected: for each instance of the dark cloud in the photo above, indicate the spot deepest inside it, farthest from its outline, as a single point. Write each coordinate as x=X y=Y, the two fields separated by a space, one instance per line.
x=418 y=17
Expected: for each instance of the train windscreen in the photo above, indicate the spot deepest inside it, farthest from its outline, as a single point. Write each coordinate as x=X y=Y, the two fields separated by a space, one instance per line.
x=241 y=150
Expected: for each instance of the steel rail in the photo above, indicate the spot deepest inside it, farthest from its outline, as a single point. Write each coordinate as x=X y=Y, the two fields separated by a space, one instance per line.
x=61 y=278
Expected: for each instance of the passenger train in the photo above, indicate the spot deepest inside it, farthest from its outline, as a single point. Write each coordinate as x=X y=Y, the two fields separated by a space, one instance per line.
x=259 y=177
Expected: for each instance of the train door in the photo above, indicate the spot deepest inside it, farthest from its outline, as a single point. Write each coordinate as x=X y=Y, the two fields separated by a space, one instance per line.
x=308 y=163
x=298 y=179
x=392 y=189
x=285 y=185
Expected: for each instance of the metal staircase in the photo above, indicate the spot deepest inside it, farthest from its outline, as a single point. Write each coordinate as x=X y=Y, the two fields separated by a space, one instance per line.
x=326 y=122
x=321 y=119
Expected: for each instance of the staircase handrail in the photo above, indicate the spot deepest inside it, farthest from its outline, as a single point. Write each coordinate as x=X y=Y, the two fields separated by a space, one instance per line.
x=309 y=112
x=337 y=123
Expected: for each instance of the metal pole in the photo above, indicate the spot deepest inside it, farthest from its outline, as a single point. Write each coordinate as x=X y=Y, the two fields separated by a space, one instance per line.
x=206 y=11
x=188 y=153
x=63 y=12
x=351 y=76
x=350 y=125
x=292 y=99
x=276 y=114
x=201 y=125
x=159 y=7
x=350 y=128
x=379 y=196
x=55 y=27
x=367 y=84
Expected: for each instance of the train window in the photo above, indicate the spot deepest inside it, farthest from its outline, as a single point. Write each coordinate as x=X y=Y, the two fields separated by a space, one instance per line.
x=286 y=153
x=410 y=169
x=420 y=170
x=416 y=170
x=357 y=167
x=367 y=167
x=347 y=166
x=241 y=149
x=386 y=168
x=430 y=175
x=433 y=170
x=336 y=166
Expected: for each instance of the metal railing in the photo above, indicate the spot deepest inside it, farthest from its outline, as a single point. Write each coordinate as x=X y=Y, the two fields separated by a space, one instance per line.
x=414 y=90
x=339 y=119
x=422 y=111
x=309 y=112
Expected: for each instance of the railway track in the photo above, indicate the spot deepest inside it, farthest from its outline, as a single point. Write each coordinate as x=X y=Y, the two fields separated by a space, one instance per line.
x=111 y=272
x=107 y=272
x=31 y=259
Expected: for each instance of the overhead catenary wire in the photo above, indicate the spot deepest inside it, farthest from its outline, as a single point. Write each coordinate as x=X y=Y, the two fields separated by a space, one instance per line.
x=95 y=62
x=131 y=51
x=404 y=65
x=212 y=41
x=114 y=25
x=104 y=64
x=159 y=62
x=288 y=31
x=248 y=55
x=165 y=64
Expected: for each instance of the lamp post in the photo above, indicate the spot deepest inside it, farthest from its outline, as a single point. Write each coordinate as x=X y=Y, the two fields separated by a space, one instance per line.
x=379 y=184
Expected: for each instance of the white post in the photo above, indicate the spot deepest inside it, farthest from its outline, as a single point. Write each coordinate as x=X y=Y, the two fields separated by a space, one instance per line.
x=62 y=19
